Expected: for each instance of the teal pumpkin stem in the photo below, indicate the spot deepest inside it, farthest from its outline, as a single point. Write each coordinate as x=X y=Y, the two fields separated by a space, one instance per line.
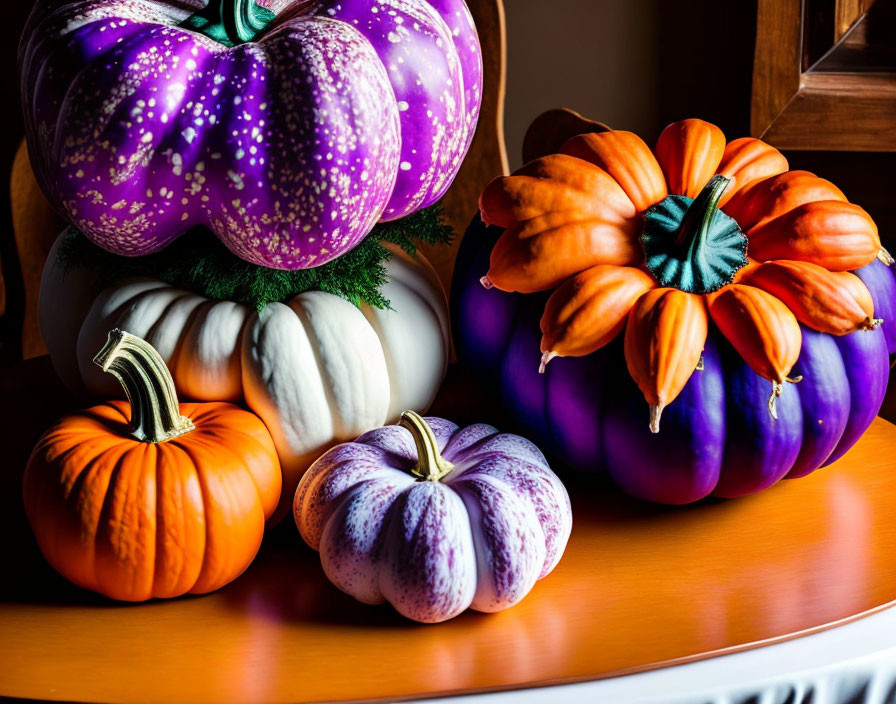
x=230 y=22
x=690 y=244
x=698 y=219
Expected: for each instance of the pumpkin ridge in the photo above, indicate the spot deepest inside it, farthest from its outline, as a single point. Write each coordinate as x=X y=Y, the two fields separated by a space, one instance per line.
x=775 y=196
x=656 y=363
x=734 y=473
x=202 y=435
x=747 y=160
x=768 y=350
x=797 y=235
x=164 y=491
x=484 y=538
x=85 y=421
x=326 y=377
x=106 y=520
x=82 y=482
x=589 y=310
x=806 y=394
x=623 y=225
x=184 y=446
x=88 y=481
x=830 y=302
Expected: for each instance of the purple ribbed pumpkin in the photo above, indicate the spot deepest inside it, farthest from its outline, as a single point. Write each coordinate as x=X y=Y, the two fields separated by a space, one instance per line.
x=717 y=436
x=434 y=518
x=289 y=127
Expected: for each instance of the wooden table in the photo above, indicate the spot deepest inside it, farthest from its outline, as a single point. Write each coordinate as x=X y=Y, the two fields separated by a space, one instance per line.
x=640 y=587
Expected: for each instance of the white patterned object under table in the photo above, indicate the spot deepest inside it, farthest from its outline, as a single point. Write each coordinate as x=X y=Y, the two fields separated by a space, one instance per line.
x=854 y=663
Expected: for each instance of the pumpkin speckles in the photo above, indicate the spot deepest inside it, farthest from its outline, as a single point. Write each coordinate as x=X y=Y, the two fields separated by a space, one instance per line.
x=290 y=148
x=478 y=537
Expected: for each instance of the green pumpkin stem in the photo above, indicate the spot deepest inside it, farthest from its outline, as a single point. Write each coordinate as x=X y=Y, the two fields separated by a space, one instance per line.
x=155 y=412
x=230 y=22
x=695 y=227
x=690 y=244
x=431 y=466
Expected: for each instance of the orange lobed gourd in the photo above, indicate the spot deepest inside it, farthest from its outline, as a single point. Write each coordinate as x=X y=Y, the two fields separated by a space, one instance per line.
x=152 y=499
x=577 y=222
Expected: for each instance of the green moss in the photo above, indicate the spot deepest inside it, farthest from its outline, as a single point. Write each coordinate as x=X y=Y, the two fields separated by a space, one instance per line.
x=199 y=262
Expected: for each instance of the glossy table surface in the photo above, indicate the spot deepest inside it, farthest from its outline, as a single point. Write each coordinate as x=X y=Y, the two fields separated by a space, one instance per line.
x=640 y=587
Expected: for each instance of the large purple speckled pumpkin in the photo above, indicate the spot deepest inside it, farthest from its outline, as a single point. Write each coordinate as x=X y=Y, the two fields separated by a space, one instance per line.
x=289 y=127
x=433 y=518
x=717 y=437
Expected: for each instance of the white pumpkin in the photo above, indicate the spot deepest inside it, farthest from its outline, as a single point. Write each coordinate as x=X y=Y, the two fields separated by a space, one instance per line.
x=316 y=369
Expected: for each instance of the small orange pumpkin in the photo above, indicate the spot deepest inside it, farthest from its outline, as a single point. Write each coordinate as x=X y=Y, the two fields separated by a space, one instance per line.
x=151 y=498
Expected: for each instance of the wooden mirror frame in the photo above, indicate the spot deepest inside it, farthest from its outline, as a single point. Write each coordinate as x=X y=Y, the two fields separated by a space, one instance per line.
x=796 y=107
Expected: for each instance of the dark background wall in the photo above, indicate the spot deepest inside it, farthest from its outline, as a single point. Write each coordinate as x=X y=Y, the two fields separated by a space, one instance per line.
x=634 y=64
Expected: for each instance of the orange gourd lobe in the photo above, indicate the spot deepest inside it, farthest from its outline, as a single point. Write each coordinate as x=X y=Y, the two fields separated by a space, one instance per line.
x=772 y=197
x=836 y=235
x=762 y=330
x=689 y=152
x=664 y=340
x=834 y=302
x=627 y=159
x=589 y=310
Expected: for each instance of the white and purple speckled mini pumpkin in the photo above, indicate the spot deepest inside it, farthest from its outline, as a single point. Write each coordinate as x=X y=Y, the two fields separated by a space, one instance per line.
x=433 y=518
x=288 y=127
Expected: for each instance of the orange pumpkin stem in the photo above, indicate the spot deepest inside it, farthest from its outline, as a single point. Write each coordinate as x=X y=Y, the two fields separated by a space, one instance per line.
x=155 y=412
x=431 y=466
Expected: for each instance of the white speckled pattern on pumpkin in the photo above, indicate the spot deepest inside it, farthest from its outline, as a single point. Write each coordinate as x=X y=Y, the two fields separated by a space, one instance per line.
x=479 y=538
x=290 y=148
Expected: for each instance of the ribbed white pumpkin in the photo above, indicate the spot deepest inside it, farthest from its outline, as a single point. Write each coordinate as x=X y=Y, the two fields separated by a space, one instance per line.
x=317 y=369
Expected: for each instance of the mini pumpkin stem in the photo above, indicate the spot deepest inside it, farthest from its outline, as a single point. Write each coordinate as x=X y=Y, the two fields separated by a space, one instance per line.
x=431 y=466
x=486 y=282
x=886 y=257
x=656 y=413
x=155 y=412
x=545 y=360
x=777 y=388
